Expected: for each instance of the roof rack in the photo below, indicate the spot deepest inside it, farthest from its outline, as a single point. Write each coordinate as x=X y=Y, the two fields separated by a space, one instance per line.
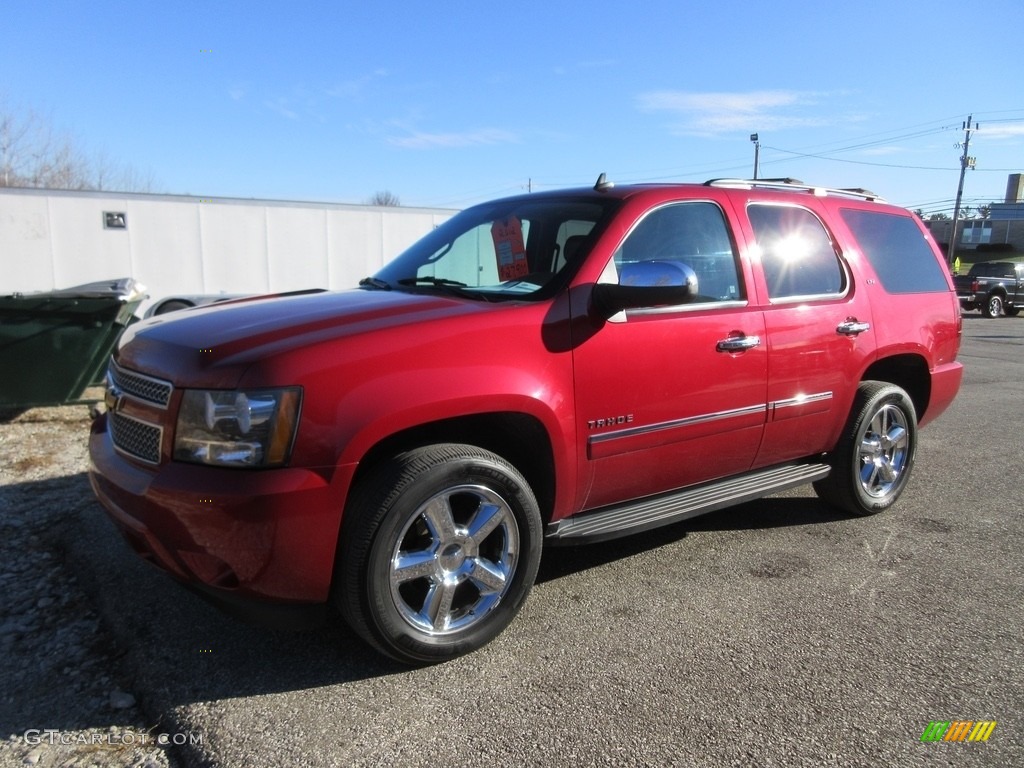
x=793 y=185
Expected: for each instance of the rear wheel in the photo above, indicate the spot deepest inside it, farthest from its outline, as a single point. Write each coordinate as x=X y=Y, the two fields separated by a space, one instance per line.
x=1011 y=311
x=872 y=463
x=993 y=307
x=440 y=547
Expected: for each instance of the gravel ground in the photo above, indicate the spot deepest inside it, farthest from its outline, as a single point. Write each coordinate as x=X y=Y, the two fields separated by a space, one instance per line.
x=66 y=699
x=776 y=633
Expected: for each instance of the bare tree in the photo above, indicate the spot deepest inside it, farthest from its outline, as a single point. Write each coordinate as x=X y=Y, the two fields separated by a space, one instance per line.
x=33 y=155
x=383 y=197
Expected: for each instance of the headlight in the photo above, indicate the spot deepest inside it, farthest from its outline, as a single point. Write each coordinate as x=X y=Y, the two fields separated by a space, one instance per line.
x=235 y=428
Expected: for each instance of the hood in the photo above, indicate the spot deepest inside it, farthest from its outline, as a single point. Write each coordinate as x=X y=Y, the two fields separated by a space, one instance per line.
x=213 y=345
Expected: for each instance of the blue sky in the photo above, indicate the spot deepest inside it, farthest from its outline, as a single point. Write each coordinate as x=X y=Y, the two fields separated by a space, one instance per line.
x=446 y=104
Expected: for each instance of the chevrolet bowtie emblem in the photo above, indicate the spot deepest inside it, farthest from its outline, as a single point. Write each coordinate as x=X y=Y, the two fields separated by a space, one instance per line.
x=112 y=397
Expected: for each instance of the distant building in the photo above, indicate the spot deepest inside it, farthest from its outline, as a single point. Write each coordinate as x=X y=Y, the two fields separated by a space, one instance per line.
x=998 y=236
x=184 y=244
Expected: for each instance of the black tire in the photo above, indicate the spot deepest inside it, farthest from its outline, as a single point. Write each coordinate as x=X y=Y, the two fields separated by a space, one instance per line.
x=412 y=578
x=875 y=455
x=993 y=307
x=1011 y=311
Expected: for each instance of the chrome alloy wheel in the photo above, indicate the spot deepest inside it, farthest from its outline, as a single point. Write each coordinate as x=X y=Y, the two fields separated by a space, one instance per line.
x=454 y=560
x=884 y=448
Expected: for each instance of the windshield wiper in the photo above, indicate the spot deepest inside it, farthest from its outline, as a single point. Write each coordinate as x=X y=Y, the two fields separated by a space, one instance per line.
x=453 y=287
x=430 y=280
x=375 y=282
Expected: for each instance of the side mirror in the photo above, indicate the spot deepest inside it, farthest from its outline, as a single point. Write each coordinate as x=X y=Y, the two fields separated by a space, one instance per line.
x=646 y=284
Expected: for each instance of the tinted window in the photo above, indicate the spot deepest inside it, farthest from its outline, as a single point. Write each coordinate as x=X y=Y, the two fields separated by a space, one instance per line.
x=897 y=250
x=993 y=269
x=692 y=235
x=796 y=252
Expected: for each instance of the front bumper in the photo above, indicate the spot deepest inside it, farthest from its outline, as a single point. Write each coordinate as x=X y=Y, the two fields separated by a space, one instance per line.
x=244 y=535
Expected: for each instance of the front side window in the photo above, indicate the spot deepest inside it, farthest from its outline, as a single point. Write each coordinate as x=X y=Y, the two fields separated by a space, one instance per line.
x=797 y=254
x=681 y=239
x=516 y=248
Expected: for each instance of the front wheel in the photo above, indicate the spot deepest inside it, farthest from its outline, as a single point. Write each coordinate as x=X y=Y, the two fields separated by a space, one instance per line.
x=439 y=549
x=1011 y=311
x=993 y=307
x=872 y=463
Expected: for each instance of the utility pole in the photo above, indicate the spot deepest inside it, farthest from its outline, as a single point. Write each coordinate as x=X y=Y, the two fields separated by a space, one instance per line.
x=965 y=163
x=757 y=152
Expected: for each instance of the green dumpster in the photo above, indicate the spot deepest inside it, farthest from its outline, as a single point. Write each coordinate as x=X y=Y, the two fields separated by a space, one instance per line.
x=54 y=345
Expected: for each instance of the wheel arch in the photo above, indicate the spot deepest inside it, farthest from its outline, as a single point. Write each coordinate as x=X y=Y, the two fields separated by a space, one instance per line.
x=910 y=372
x=519 y=438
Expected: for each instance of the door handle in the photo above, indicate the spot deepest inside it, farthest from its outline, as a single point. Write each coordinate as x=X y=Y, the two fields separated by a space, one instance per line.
x=852 y=327
x=738 y=343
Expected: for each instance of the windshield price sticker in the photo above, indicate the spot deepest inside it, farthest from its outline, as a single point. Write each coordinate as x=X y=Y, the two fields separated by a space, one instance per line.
x=509 y=249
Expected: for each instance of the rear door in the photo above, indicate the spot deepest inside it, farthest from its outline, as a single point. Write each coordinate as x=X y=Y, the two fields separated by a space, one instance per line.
x=818 y=325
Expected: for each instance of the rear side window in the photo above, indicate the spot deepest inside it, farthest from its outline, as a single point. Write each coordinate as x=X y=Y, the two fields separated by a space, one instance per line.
x=796 y=253
x=995 y=269
x=898 y=251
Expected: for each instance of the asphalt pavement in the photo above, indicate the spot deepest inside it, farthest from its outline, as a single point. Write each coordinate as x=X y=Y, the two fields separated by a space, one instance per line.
x=776 y=633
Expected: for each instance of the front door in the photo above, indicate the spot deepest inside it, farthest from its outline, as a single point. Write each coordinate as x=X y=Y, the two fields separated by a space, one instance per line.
x=671 y=396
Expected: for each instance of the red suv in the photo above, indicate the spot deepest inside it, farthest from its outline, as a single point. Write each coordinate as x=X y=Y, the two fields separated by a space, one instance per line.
x=551 y=369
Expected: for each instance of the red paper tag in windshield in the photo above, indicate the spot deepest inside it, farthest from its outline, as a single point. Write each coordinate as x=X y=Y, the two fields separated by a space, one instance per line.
x=509 y=249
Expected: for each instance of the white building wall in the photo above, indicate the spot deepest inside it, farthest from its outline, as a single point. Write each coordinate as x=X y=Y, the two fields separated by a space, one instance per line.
x=297 y=237
x=166 y=246
x=26 y=249
x=188 y=245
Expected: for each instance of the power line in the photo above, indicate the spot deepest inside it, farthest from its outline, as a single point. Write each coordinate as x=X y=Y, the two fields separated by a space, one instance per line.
x=859 y=162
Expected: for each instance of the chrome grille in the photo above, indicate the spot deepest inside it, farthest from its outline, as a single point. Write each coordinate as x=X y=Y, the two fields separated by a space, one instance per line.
x=141 y=387
x=136 y=438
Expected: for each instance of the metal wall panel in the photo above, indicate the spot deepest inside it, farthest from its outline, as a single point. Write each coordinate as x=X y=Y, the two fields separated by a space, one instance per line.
x=182 y=245
x=166 y=247
x=355 y=245
x=297 y=248
x=234 y=243
x=83 y=250
x=26 y=258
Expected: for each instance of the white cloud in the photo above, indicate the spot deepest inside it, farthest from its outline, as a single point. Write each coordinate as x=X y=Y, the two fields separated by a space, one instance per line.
x=483 y=136
x=356 y=86
x=1000 y=132
x=280 y=106
x=710 y=114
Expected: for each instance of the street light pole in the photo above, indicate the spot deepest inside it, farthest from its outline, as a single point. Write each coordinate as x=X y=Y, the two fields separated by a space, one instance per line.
x=757 y=152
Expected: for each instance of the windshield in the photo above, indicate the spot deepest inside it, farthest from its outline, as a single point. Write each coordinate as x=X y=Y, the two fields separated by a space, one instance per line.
x=514 y=248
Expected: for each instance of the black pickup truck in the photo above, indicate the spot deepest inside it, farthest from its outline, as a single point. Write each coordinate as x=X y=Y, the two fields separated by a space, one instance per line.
x=994 y=287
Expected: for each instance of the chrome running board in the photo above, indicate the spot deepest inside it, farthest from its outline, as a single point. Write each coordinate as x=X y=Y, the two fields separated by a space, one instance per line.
x=654 y=511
